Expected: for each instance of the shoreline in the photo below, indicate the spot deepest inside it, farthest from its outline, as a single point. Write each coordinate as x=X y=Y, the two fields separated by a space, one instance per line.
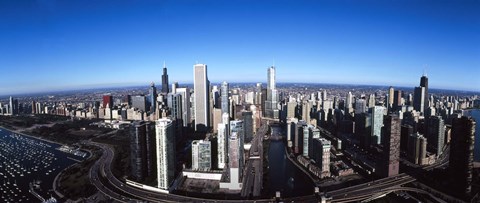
x=31 y=136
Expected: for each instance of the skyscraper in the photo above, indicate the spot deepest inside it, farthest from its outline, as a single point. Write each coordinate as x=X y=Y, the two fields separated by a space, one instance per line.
x=271 y=106
x=174 y=102
x=419 y=99
x=461 y=156
x=201 y=155
x=138 y=150
x=222 y=145
x=152 y=97
x=391 y=155
x=390 y=98
x=247 y=117
x=236 y=126
x=185 y=92
x=360 y=106
x=436 y=134
x=139 y=102
x=322 y=155
x=165 y=140
x=224 y=97
x=348 y=102
x=164 y=79
x=107 y=100
x=377 y=123
x=417 y=146
x=397 y=100
x=306 y=107
x=202 y=99
x=424 y=83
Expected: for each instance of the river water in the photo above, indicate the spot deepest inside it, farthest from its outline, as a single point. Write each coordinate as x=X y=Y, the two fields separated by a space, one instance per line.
x=24 y=161
x=283 y=175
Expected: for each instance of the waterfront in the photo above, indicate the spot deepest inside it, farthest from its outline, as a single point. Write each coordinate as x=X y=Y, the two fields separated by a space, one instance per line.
x=475 y=113
x=29 y=163
x=283 y=175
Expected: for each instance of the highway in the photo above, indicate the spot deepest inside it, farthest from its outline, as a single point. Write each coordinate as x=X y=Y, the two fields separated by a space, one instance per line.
x=365 y=190
x=102 y=177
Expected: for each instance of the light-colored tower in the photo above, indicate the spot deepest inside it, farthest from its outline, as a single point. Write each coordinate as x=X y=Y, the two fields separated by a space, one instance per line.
x=165 y=147
x=271 y=107
x=390 y=97
x=271 y=78
x=201 y=155
x=222 y=145
x=224 y=97
x=377 y=123
x=201 y=94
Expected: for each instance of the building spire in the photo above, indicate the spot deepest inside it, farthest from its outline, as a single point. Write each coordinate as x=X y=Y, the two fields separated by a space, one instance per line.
x=425 y=70
x=164 y=64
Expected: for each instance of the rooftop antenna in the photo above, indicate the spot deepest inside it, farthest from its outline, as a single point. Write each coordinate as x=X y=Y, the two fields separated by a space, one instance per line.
x=164 y=64
x=425 y=70
x=273 y=62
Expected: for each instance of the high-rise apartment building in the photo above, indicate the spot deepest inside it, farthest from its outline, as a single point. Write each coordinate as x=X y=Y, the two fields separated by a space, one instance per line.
x=461 y=156
x=165 y=147
x=377 y=123
x=222 y=145
x=107 y=101
x=186 y=115
x=138 y=150
x=201 y=155
x=152 y=98
x=391 y=155
x=435 y=134
x=225 y=98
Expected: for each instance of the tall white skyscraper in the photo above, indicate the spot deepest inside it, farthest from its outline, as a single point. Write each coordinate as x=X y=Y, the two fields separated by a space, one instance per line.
x=202 y=100
x=271 y=104
x=222 y=145
x=224 y=97
x=271 y=83
x=165 y=148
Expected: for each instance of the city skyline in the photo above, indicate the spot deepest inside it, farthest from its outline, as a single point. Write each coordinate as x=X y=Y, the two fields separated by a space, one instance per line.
x=55 y=46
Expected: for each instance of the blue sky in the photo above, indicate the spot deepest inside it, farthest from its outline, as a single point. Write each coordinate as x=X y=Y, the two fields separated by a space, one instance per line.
x=55 y=45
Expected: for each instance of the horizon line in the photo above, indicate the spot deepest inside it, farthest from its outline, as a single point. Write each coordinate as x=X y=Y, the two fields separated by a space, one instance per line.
x=134 y=85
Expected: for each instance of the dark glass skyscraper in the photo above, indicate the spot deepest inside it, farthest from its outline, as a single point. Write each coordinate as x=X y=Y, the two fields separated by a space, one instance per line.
x=461 y=156
x=248 y=125
x=390 y=162
x=436 y=134
x=138 y=150
x=164 y=80
x=424 y=83
x=152 y=97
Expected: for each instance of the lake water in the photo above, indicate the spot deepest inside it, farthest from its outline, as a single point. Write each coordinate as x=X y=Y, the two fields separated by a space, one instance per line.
x=26 y=161
x=475 y=113
x=283 y=175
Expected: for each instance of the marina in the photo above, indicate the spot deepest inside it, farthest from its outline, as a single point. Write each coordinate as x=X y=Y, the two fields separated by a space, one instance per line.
x=28 y=167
